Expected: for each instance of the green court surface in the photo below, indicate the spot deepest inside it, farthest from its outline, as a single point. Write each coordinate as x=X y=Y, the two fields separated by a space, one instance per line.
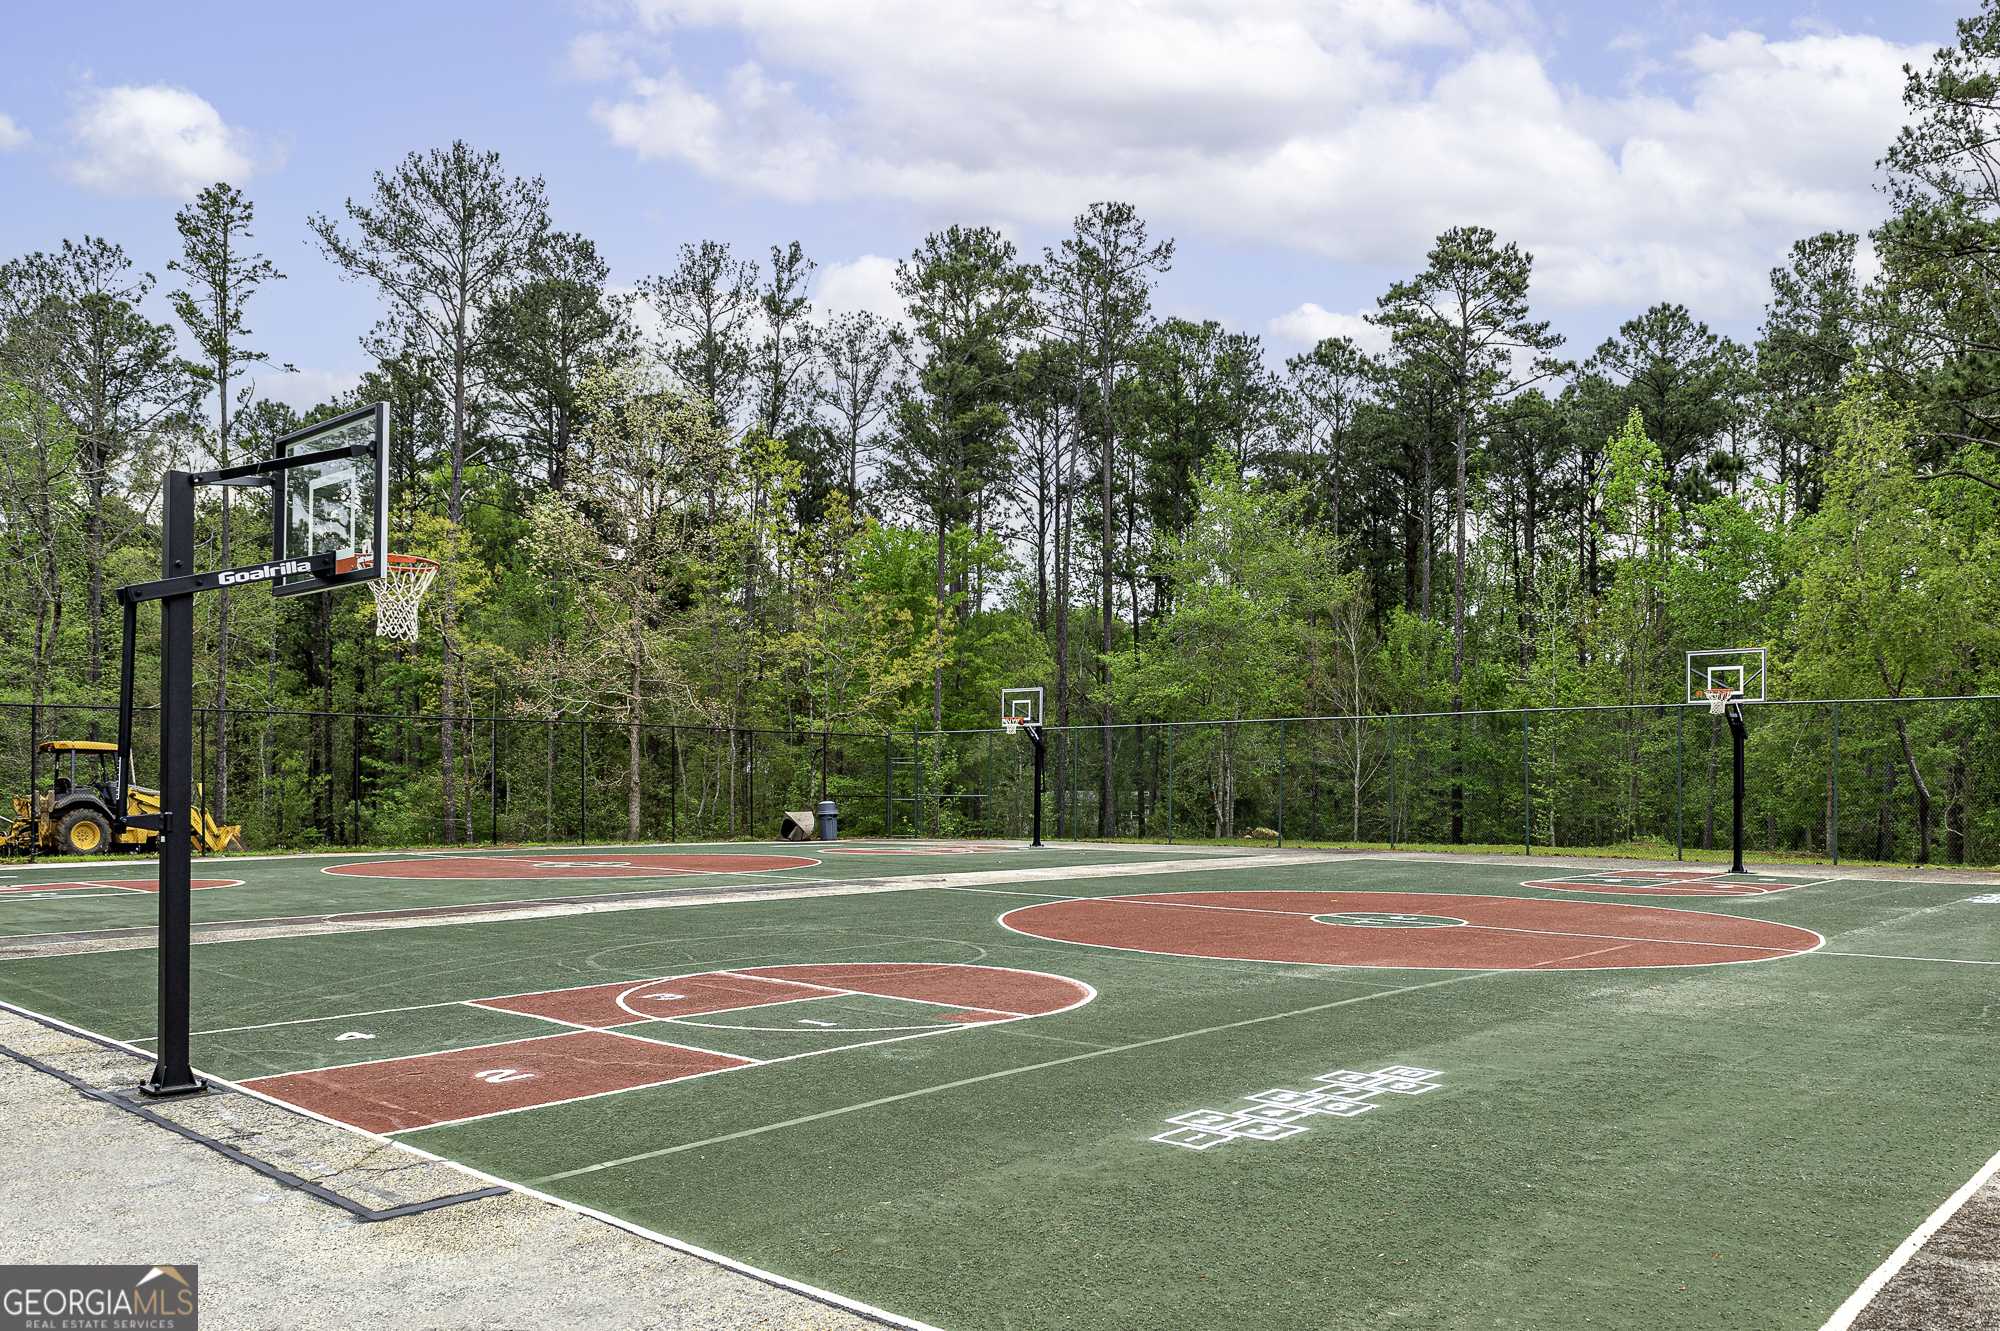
x=1346 y=1091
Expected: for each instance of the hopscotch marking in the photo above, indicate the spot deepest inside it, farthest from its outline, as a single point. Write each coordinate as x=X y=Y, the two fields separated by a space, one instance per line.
x=1283 y=1112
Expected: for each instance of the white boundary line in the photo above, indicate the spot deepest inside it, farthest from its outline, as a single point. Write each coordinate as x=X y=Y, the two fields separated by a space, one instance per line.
x=1890 y=956
x=397 y=918
x=660 y=872
x=1001 y=920
x=727 y=1263
x=1843 y=1316
x=903 y=998
x=569 y=1028
x=1009 y=1072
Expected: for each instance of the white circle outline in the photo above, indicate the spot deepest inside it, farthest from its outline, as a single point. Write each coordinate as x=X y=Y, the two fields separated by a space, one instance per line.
x=1001 y=920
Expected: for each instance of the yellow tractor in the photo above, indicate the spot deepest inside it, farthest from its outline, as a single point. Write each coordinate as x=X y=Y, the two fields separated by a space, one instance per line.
x=76 y=816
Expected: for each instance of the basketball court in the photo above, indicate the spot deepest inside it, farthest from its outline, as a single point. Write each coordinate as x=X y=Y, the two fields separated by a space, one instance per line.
x=965 y=1085
x=970 y=1084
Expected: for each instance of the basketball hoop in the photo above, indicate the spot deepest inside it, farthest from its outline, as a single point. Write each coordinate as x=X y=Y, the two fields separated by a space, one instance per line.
x=1718 y=700
x=399 y=592
x=1013 y=724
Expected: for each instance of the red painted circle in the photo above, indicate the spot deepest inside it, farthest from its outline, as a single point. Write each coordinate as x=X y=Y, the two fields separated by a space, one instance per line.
x=1500 y=933
x=123 y=884
x=1659 y=883
x=573 y=864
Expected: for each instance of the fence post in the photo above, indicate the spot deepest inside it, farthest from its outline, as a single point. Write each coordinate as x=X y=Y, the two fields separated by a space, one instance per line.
x=493 y=770
x=1527 y=795
x=353 y=782
x=1391 y=723
x=1170 y=783
x=1680 y=808
x=1281 y=784
x=1833 y=814
x=35 y=771
x=888 y=784
x=582 y=782
x=673 y=783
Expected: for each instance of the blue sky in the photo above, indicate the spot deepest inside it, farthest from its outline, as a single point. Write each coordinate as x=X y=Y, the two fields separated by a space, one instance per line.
x=1302 y=152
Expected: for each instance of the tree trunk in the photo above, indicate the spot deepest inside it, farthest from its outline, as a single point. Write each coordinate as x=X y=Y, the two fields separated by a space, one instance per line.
x=1458 y=636
x=633 y=783
x=447 y=733
x=937 y=672
x=1922 y=788
x=1427 y=537
x=1106 y=815
x=221 y=788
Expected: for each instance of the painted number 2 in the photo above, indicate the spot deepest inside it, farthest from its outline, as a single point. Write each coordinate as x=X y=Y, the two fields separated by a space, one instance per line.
x=495 y=1076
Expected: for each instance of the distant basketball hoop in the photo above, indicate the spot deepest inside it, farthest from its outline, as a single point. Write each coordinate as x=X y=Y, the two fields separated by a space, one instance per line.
x=1718 y=700
x=399 y=594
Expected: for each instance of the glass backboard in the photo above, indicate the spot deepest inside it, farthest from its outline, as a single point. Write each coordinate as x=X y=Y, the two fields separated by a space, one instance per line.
x=1738 y=669
x=1020 y=707
x=334 y=500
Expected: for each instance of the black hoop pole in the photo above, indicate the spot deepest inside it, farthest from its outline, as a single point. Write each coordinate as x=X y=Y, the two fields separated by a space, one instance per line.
x=1034 y=732
x=172 y=1074
x=1737 y=732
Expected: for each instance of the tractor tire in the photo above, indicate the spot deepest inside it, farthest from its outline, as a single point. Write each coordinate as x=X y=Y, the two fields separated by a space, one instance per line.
x=83 y=832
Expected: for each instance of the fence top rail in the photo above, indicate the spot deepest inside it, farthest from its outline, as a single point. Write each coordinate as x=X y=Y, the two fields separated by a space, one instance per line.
x=1659 y=708
x=876 y=736
x=690 y=727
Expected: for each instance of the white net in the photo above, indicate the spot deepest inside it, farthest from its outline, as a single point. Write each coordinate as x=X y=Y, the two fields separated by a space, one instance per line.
x=1718 y=700
x=399 y=594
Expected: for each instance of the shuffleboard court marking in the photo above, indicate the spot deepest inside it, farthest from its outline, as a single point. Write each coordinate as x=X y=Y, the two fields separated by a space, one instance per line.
x=1043 y=1066
x=1501 y=933
x=477 y=868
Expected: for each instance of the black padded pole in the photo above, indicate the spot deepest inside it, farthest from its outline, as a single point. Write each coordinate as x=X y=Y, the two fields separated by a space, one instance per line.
x=1737 y=732
x=1041 y=753
x=171 y=1073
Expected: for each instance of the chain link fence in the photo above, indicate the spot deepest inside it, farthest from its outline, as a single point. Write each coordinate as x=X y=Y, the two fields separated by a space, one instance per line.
x=1879 y=779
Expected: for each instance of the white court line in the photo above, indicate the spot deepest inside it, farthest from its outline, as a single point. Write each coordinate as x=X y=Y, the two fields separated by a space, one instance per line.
x=305 y=1021
x=1891 y=956
x=476 y=916
x=901 y=998
x=697 y=1076
x=1089 y=996
x=1006 y=1072
x=1491 y=928
x=1843 y=1316
x=727 y=1263
x=427 y=1053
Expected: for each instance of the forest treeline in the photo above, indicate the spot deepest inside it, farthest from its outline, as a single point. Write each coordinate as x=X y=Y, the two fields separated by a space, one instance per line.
x=699 y=499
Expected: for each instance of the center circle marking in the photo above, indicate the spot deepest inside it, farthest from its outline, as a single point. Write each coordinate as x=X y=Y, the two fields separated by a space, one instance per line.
x=1388 y=919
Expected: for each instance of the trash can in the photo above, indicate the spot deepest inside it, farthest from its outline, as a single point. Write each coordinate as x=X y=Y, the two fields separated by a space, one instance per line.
x=829 y=821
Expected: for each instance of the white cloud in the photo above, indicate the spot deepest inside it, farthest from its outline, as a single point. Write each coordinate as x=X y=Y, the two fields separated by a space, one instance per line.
x=155 y=139
x=866 y=283
x=1354 y=130
x=597 y=56
x=11 y=135
x=1307 y=325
